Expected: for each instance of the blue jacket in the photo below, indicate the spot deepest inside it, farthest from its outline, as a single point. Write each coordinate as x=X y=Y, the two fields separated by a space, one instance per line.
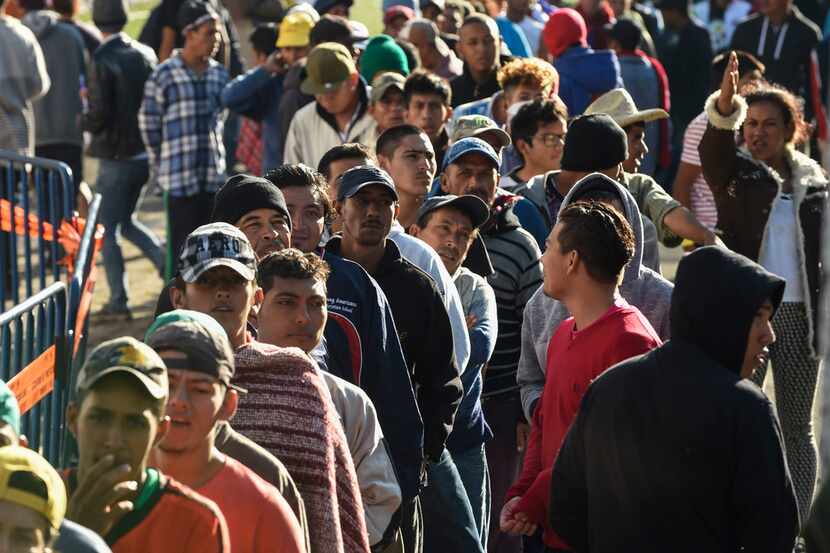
x=256 y=95
x=360 y=323
x=514 y=37
x=585 y=74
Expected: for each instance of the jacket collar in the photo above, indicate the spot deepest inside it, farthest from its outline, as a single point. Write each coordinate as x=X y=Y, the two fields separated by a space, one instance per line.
x=391 y=254
x=362 y=106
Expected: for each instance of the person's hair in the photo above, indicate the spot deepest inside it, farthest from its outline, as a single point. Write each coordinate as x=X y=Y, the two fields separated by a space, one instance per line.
x=413 y=58
x=422 y=82
x=303 y=176
x=535 y=114
x=123 y=379
x=527 y=71
x=32 y=5
x=68 y=8
x=390 y=139
x=291 y=263
x=601 y=236
x=482 y=19
x=791 y=108
x=350 y=150
x=264 y=38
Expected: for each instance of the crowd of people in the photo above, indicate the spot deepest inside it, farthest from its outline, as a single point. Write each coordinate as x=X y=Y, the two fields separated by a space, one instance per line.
x=413 y=293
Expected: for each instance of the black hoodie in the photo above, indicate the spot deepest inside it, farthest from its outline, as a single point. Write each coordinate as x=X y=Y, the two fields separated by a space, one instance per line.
x=673 y=451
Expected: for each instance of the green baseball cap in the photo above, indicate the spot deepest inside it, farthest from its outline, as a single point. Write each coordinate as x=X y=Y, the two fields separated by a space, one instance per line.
x=475 y=126
x=328 y=65
x=126 y=355
x=9 y=410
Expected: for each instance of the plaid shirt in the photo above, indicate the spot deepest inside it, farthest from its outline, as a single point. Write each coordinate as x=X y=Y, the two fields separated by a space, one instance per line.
x=181 y=122
x=249 y=148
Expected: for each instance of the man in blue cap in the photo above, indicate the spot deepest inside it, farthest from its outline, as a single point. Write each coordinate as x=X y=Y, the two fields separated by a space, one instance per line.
x=367 y=204
x=471 y=166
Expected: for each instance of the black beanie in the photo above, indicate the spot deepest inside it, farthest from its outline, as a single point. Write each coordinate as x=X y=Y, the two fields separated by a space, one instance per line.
x=109 y=16
x=594 y=143
x=242 y=194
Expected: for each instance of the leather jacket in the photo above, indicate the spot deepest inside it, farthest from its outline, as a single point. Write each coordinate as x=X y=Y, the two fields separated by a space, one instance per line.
x=119 y=68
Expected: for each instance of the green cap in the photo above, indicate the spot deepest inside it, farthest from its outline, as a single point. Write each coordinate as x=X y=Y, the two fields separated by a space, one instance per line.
x=328 y=65
x=474 y=126
x=9 y=411
x=382 y=54
x=127 y=355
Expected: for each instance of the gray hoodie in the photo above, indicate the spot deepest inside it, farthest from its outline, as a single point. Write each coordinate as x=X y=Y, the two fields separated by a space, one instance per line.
x=23 y=78
x=642 y=287
x=58 y=113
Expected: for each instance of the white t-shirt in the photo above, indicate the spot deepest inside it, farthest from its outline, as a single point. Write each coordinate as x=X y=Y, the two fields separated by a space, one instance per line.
x=779 y=252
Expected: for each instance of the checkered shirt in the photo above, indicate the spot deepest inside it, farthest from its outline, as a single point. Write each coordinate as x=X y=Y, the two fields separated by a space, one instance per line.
x=181 y=122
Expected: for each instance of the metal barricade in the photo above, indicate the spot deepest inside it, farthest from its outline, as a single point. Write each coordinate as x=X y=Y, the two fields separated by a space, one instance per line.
x=41 y=188
x=34 y=363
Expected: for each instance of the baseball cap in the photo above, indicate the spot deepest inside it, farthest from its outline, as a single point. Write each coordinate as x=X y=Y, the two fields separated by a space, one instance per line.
x=357 y=178
x=9 y=410
x=470 y=145
x=194 y=13
x=477 y=125
x=295 y=30
x=197 y=335
x=360 y=34
x=473 y=206
x=385 y=81
x=216 y=245
x=125 y=355
x=398 y=11
x=28 y=480
x=328 y=65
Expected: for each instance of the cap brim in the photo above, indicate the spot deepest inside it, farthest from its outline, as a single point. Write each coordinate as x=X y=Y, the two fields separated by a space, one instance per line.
x=472 y=206
x=504 y=138
x=289 y=43
x=363 y=185
x=152 y=388
x=645 y=116
x=449 y=161
x=379 y=91
x=312 y=88
x=193 y=274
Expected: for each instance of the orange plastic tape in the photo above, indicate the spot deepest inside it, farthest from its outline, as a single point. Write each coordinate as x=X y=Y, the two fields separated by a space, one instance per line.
x=35 y=381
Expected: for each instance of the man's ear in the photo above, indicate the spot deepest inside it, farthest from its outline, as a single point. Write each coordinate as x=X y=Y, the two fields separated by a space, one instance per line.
x=414 y=230
x=444 y=185
x=178 y=298
x=448 y=115
x=397 y=209
x=354 y=79
x=522 y=146
x=72 y=411
x=384 y=163
x=259 y=297
x=338 y=207
x=163 y=429
x=228 y=409
x=573 y=262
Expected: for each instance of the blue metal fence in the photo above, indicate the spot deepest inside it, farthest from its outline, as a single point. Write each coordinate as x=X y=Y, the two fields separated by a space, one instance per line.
x=42 y=188
x=33 y=338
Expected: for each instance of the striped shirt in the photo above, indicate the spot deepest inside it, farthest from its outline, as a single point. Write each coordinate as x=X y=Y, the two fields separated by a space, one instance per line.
x=181 y=122
x=518 y=273
x=703 y=203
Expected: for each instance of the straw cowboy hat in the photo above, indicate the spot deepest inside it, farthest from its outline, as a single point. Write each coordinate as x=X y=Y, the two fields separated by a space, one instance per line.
x=620 y=106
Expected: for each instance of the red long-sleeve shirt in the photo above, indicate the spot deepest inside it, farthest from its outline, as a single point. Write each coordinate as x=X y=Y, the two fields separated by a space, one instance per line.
x=574 y=359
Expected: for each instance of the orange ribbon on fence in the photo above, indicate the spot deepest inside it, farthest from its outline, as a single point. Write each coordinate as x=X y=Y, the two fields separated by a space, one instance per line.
x=38 y=377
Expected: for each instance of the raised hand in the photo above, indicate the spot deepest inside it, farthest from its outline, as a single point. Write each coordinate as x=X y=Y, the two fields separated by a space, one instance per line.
x=728 y=85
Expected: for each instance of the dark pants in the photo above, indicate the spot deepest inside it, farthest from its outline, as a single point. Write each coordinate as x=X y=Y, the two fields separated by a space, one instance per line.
x=412 y=528
x=504 y=462
x=71 y=154
x=185 y=215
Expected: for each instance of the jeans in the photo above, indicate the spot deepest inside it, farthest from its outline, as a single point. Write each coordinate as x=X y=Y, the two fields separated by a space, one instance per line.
x=472 y=468
x=449 y=526
x=120 y=184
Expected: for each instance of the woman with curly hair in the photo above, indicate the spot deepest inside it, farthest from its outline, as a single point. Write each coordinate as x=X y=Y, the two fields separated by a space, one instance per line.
x=770 y=202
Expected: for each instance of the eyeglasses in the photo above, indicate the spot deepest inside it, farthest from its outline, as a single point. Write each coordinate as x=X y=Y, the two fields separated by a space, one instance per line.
x=552 y=140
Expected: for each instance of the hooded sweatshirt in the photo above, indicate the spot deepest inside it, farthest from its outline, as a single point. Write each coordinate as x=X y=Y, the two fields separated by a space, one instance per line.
x=585 y=74
x=673 y=450
x=58 y=113
x=641 y=287
x=23 y=79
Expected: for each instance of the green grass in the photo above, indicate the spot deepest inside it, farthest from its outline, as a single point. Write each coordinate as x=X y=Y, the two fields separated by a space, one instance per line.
x=367 y=12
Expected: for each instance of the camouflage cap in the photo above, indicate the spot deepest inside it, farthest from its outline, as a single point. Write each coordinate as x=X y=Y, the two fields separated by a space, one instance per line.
x=474 y=126
x=127 y=355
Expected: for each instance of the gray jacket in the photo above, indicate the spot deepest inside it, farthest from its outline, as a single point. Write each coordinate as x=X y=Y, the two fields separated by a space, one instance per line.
x=58 y=113
x=641 y=287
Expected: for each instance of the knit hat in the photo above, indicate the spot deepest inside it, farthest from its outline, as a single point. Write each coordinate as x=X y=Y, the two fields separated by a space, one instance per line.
x=242 y=194
x=9 y=411
x=295 y=30
x=564 y=28
x=109 y=16
x=328 y=65
x=382 y=54
x=28 y=480
x=194 y=13
x=594 y=143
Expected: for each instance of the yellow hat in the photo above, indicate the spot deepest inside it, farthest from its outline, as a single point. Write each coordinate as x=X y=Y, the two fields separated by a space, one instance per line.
x=28 y=479
x=295 y=30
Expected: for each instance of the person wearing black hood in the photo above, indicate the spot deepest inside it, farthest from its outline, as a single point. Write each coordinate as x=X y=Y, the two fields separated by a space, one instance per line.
x=677 y=450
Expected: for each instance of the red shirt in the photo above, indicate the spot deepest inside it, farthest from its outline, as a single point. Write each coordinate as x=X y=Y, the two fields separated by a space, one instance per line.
x=574 y=359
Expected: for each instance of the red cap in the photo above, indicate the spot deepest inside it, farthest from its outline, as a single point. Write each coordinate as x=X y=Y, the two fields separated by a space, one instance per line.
x=564 y=28
x=396 y=11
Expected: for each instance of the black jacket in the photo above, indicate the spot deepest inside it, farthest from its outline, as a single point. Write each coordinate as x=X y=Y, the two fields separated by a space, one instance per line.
x=672 y=450
x=116 y=89
x=425 y=334
x=465 y=89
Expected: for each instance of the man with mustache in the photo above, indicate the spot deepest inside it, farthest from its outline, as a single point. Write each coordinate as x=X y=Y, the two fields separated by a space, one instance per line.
x=406 y=153
x=471 y=167
x=367 y=203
